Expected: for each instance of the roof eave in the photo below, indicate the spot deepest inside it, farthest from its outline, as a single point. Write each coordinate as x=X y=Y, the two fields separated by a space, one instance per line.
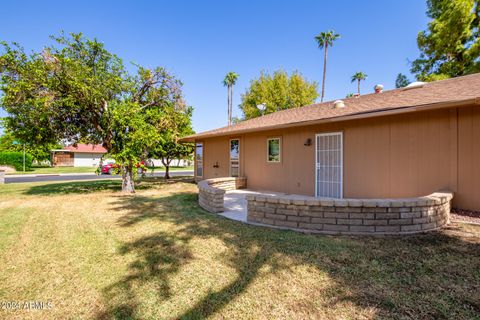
x=353 y=116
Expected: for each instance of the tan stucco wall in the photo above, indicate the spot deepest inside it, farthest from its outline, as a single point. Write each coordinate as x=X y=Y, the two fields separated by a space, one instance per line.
x=405 y=155
x=468 y=191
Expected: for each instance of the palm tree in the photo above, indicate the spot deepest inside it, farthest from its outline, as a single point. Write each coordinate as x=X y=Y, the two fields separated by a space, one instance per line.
x=324 y=40
x=229 y=82
x=359 y=76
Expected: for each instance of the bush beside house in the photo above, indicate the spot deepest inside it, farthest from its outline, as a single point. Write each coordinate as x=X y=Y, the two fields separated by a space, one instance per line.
x=15 y=159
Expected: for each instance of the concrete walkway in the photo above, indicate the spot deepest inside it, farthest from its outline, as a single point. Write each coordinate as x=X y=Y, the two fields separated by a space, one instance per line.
x=235 y=202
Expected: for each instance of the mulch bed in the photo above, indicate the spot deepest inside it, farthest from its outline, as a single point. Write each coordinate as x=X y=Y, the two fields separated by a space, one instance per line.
x=465 y=216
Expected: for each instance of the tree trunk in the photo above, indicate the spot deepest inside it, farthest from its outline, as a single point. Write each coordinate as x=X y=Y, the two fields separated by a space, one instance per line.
x=167 y=172
x=166 y=163
x=128 y=184
x=229 y=105
x=359 y=87
x=324 y=70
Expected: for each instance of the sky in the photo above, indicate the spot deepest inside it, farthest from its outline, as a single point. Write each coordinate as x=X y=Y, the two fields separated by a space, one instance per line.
x=200 y=41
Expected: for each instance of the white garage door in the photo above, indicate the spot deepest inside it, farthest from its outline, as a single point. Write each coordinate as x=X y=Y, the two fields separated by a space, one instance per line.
x=86 y=159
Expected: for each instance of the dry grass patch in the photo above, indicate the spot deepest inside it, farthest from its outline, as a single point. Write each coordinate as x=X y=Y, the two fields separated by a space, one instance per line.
x=156 y=255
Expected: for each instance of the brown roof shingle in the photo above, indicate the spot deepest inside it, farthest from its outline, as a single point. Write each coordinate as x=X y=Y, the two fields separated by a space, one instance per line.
x=450 y=90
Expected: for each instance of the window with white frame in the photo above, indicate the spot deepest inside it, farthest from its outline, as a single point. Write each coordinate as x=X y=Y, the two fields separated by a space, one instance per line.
x=273 y=150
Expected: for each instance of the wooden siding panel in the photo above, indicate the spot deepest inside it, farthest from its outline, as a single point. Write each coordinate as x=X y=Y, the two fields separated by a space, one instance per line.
x=387 y=157
x=216 y=150
x=468 y=194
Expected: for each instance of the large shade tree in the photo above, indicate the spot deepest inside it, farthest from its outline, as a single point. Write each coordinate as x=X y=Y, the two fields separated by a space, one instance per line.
x=324 y=41
x=277 y=92
x=229 y=81
x=450 y=46
x=169 y=148
x=358 y=77
x=75 y=90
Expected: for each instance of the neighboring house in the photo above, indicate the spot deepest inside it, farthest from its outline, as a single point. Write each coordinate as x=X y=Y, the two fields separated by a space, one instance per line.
x=83 y=155
x=173 y=163
x=89 y=155
x=406 y=142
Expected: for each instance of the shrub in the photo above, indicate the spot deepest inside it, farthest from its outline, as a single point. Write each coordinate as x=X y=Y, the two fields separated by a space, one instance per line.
x=15 y=159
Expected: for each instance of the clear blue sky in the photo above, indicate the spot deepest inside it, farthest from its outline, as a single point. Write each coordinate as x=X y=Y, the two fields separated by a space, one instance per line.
x=200 y=41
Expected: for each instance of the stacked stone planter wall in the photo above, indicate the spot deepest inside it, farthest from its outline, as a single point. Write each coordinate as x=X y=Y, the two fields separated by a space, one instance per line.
x=211 y=191
x=352 y=216
x=2 y=176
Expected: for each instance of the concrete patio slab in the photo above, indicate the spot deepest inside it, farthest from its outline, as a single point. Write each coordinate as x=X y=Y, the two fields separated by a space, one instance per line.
x=235 y=202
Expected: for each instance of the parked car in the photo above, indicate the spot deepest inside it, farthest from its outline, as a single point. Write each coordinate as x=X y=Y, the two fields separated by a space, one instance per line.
x=113 y=168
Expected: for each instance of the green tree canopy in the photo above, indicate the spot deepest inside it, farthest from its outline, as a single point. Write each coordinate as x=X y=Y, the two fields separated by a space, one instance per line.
x=277 y=92
x=401 y=81
x=450 y=46
x=169 y=148
x=359 y=76
x=324 y=40
x=39 y=152
x=229 y=81
x=75 y=90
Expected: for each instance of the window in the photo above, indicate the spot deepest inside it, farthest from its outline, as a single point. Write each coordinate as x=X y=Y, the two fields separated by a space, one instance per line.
x=199 y=159
x=234 y=158
x=273 y=152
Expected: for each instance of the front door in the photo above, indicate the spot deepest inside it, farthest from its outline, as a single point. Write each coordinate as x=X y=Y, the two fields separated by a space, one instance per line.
x=329 y=165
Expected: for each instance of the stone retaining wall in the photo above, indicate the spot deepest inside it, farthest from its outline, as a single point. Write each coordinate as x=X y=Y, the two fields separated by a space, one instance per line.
x=352 y=216
x=2 y=176
x=211 y=191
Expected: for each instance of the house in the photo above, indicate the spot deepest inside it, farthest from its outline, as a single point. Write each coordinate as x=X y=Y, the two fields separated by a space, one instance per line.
x=402 y=143
x=89 y=155
x=83 y=155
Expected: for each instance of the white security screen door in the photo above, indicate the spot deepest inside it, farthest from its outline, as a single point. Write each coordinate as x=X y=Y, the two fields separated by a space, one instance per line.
x=329 y=165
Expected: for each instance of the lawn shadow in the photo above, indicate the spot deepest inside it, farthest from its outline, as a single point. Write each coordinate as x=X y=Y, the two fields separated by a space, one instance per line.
x=76 y=187
x=389 y=275
x=91 y=186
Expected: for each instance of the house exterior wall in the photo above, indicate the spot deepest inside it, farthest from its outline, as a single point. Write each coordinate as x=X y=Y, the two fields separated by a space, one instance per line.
x=174 y=162
x=399 y=156
x=86 y=159
x=468 y=183
x=62 y=159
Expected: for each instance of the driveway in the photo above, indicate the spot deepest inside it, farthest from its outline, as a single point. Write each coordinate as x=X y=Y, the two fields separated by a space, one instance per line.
x=82 y=176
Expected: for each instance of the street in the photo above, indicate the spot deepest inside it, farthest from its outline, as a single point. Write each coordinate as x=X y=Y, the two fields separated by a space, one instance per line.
x=79 y=177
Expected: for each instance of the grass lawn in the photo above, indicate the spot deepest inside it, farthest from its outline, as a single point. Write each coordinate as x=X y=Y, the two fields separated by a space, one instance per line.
x=95 y=253
x=56 y=170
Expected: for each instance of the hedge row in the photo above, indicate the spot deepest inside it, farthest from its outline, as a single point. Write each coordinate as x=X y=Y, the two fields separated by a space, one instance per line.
x=15 y=159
